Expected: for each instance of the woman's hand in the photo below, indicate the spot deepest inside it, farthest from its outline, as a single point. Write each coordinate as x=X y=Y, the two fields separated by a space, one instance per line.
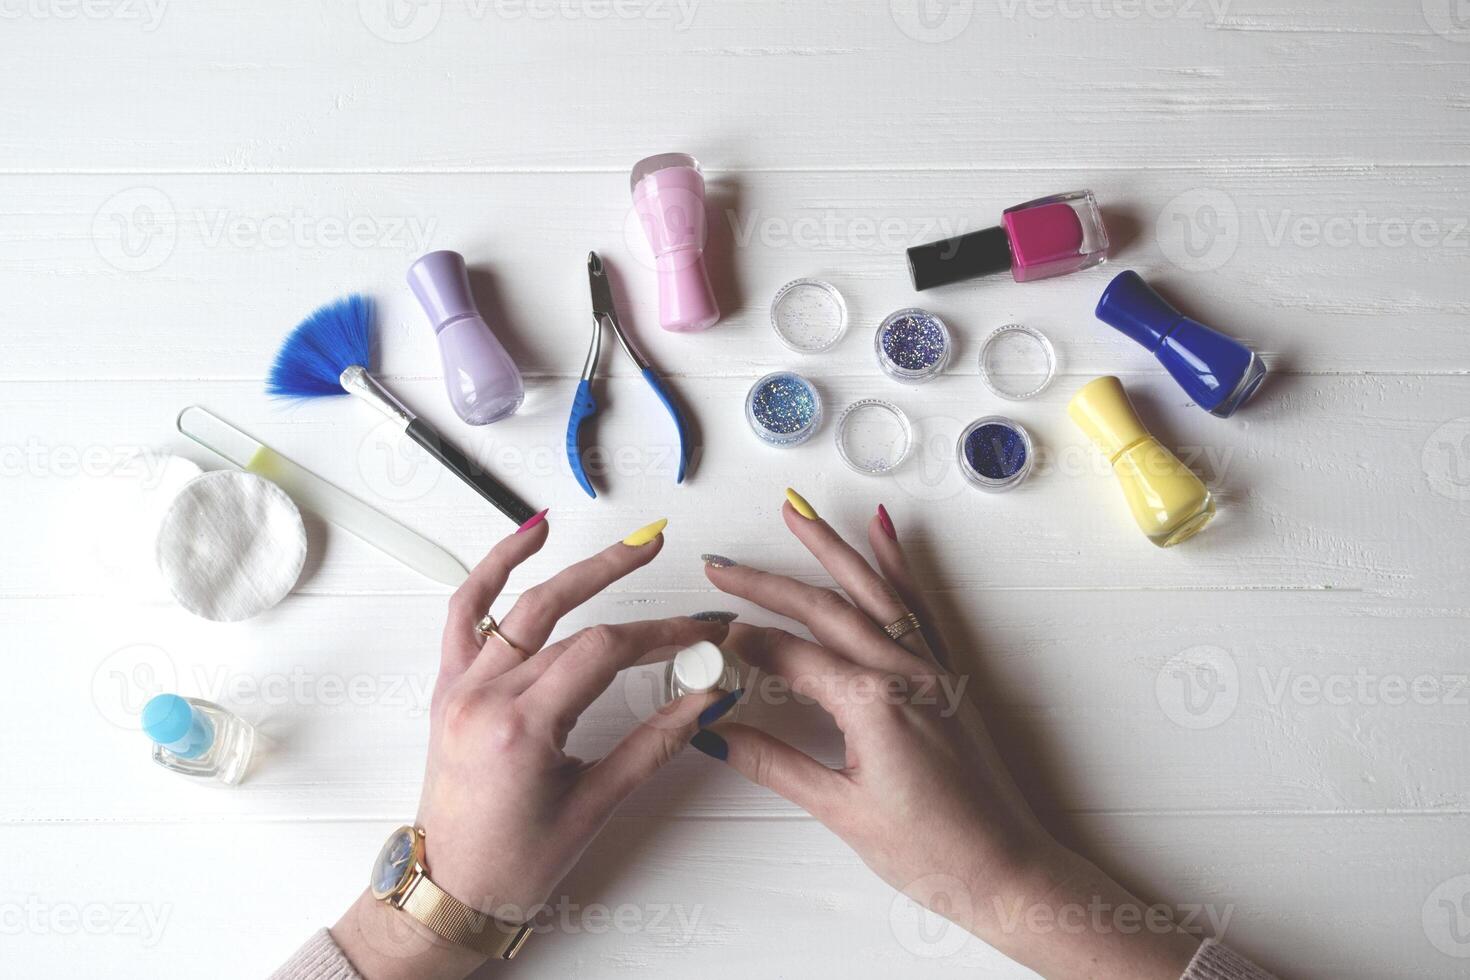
x=505 y=812
x=924 y=797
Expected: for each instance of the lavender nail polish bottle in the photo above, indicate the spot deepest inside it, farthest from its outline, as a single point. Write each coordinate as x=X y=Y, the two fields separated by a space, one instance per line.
x=484 y=383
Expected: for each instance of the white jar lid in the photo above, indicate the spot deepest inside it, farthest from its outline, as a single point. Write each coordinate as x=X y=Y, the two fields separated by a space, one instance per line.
x=699 y=667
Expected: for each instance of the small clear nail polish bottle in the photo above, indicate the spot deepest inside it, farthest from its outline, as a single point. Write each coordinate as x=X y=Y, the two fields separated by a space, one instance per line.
x=198 y=738
x=700 y=668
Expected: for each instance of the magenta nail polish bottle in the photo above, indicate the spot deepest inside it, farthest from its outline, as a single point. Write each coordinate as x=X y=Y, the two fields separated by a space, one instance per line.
x=484 y=383
x=1050 y=236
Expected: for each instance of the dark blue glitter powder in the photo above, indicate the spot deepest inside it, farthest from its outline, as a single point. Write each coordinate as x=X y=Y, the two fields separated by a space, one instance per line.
x=914 y=342
x=783 y=405
x=995 y=451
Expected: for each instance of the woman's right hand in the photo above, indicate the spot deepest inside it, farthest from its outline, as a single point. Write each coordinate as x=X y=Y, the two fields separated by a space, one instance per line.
x=924 y=797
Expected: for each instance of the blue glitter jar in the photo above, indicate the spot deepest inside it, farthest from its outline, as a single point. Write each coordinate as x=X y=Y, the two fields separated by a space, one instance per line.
x=783 y=409
x=912 y=345
x=995 y=453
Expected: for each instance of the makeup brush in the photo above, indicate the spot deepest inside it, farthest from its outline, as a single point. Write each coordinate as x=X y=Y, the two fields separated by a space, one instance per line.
x=328 y=354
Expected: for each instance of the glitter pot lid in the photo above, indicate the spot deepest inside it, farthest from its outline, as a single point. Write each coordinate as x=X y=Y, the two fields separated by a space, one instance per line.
x=783 y=409
x=873 y=436
x=808 y=315
x=995 y=453
x=912 y=345
x=1017 y=362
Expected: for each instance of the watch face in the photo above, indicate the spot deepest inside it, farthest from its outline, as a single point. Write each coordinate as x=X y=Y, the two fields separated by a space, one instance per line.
x=395 y=862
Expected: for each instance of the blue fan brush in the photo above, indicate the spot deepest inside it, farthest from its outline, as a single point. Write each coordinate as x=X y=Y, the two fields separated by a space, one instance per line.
x=328 y=354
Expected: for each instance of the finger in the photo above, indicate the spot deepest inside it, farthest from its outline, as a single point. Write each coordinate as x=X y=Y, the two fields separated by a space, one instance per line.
x=767 y=761
x=471 y=601
x=851 y=571
x=894 y=565
x=835 y=622
x=535 y=614
x=556 y=687
x=812 y=671
x=646 y=749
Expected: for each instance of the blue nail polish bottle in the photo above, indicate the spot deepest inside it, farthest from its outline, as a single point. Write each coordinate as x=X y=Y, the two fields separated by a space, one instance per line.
x=1219 y=373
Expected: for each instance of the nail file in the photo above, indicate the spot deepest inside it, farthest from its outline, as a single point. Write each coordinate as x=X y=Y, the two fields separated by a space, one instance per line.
x=322 y=498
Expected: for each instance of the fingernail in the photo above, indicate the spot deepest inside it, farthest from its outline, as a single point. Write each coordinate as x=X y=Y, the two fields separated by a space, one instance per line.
x=720 y=708
x=799 y=502
x=711 y=745
x=886 y=522
x=718 y=561
x=646 y=533
x=534 y=520
x=715 y=616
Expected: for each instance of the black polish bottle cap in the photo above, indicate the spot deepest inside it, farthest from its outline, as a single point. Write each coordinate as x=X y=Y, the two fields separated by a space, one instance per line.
x=979 y=253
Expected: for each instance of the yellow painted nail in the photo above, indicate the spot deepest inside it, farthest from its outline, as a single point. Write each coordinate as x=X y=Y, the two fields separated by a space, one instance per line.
x=799 y=502
x=646 y=533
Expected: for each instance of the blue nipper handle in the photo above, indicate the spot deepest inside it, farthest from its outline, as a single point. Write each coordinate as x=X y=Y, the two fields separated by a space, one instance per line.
x=584 y=406
x=663 y=396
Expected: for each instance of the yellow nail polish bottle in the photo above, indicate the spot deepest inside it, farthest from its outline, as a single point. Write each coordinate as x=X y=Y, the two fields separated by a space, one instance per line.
x=1168 y=501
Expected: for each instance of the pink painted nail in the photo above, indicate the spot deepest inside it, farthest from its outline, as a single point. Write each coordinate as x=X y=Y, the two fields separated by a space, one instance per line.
x=886 y=522
x=535 y=519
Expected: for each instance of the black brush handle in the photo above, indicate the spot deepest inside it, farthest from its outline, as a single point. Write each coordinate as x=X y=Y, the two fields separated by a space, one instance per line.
x=457 y=463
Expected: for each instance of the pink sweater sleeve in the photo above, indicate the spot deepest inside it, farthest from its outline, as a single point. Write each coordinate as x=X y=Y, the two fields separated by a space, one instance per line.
x=1215 y=962
x=318 y=959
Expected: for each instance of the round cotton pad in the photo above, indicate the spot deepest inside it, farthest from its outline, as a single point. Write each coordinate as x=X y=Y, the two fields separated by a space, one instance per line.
x=231 y=546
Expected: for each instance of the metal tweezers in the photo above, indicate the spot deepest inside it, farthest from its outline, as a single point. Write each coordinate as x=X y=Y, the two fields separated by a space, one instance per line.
x=584 y=406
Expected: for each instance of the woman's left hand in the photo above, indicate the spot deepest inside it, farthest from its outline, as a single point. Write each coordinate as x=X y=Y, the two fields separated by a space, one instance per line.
x=506 y=812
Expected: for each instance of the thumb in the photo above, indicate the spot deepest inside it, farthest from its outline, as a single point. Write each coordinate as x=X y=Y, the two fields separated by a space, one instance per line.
x=653 y=744
x=767 y=761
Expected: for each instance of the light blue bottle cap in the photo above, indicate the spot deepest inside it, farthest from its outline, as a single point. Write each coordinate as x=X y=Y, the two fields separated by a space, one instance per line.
x=167 y=718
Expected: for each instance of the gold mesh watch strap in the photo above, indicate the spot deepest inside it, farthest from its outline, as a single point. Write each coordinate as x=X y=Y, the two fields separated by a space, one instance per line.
x=455 y=921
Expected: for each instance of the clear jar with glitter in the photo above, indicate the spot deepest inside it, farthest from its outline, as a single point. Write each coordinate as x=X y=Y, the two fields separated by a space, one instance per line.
x=783 y=409
x=912 y=345
x=995 y=453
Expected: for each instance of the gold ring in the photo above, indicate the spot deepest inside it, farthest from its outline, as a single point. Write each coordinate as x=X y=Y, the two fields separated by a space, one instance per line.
x=902 y=626
x=488 y=627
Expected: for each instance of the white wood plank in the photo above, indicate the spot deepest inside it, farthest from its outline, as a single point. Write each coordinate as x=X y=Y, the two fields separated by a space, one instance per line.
x=1100 y=700
x=481 y=84
x=1320 y=269
x=1337 y=482
x=730 y=899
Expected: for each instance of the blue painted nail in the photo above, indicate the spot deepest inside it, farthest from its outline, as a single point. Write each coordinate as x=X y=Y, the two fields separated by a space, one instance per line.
x=717 y=561
x=720 y=708
x=711 y=745
x=715 y=616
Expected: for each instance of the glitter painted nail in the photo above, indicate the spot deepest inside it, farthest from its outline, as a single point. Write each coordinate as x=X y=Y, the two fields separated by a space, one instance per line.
x=715 y=616
x=718 y=561
x=783 y=409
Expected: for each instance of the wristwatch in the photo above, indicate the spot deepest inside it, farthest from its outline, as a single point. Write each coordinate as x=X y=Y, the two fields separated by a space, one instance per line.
x=401 y=879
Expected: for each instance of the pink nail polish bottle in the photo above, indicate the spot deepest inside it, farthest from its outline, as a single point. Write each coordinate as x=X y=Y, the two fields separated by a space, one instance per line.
x=1050 y=236
x=668 y=194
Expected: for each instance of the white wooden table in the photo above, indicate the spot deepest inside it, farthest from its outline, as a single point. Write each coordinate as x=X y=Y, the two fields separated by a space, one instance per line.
x=181 y=182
